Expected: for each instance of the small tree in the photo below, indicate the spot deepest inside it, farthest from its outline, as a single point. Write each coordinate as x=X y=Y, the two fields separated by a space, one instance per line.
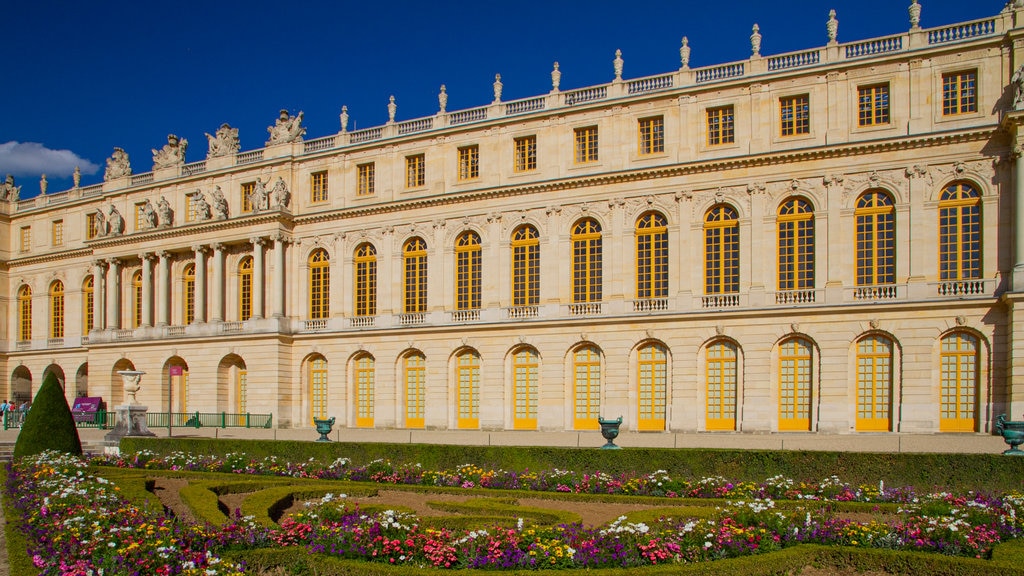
x=49 y=424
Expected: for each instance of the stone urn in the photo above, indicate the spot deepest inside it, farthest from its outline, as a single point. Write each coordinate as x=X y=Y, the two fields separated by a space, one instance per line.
x=610 y=431
x=132 y=380
x=323 y=426
x=131 y=416
x=1012 y=433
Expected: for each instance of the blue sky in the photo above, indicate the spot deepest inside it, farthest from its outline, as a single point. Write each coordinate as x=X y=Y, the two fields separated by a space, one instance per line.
x=79 y=78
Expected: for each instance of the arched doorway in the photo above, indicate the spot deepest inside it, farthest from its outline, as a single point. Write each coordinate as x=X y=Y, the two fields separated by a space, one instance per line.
x=21 y=386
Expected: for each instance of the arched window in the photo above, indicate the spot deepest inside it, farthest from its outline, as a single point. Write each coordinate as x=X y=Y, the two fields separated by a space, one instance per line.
x=25 y=313
x=959 y=233
x=795 y=368
x=874 y=384
x=245 y=288
x=525 y=380
x=467 y=367
x=796 y=245
x=468 y=264
x=721 y=384
x=318 y=387
x=651 y=256
x=415 y=369
x=721 y=251
x=188 y=277
x=137 y=298
x=57 y=309
x=319 y=285
x=88 y=295
x=586 y=369
x=414 y=264
x=876 y=239
x=525 y=267
x=652 y=387
x=959 y=381
x=364 y=381
x=586 y=261
x=366 y=280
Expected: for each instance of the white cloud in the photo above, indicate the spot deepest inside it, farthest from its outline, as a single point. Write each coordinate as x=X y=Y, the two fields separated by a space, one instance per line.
x=33 y=159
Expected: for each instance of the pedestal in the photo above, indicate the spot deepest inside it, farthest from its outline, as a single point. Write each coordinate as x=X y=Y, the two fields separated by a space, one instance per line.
x=131 y=421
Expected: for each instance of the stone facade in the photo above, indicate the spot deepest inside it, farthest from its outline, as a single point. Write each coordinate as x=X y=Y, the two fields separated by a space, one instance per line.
x=820 y=241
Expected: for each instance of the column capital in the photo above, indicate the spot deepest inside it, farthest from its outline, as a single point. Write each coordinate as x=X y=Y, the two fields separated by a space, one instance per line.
x=113 y=261
x=257 y=240
x=200 y=248
x=279 y=237
x=100 y=262
x=163 y=254
x=218 y=246
x=147 y=256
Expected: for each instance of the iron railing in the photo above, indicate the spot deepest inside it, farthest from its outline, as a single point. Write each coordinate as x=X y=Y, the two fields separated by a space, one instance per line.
x=103 y=419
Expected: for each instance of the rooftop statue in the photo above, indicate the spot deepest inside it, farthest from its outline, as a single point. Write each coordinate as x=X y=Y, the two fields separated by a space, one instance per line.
x=8 y=191
x=286 y=129
x=43 y=185
x=77 y=176
x=172 y=154
x=225 y=143
x=280 y=194
x=117 y=165
x=344 y=118
x=220 y=204
x=163 y=209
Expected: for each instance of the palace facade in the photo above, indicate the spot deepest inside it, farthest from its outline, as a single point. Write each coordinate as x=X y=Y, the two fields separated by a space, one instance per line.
x=821 y=241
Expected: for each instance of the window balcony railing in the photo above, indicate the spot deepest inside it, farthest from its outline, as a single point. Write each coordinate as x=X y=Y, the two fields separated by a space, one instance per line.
x=520 y=312
x=796 y=296
x=231 y=327
x=362 y=321
x=174 y=331
x=414 y=319
x=585 y=309
x=466 y=316
x=716 y=301
x=24 y=345
x=966 y=288
x=318 y=325
x=123 y=334
x=650 y=305
x=874 y=293
x=54 y=342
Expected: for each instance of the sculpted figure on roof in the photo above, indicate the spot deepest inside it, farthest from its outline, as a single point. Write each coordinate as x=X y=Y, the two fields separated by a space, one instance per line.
x=117 y=165
x=286 y=129
x=172 y=154
x=8 y=191
x=225 y=143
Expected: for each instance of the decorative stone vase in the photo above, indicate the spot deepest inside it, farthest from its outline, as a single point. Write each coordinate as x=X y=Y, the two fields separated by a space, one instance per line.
x=1012 y=433
x=131 y=416
x=610 y=431
x=324 y=428
x=132 y=384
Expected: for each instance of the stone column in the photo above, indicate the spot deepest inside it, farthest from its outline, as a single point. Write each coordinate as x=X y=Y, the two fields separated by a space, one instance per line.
x=147 y=289
x=200 y=252
x=163 y=289
x=278 y=303
x=217 y=290
x=1018 y=216
x=99 y=295
x=257 y=277
x=113 y=293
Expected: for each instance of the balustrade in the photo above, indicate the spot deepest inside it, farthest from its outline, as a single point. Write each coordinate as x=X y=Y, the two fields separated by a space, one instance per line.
x=716 y=301
x=54 y=342
x=519 y=312
x=887 y=292
x=193 y=168
x=314 y=325
x=466 y=116
x=231 y=327
x=524 y=106
x=794 y=60
x=586 y=95
x=325 y=143
x=585 y=309
x=795 y=297
x=465 y=315
x=362 y=321
x=651 y=84
x=964 y=31
x=368 y=135
x=249 y=157
x=965 y=288
x=140 y=179
x=412 y=319
x=713 y=73
x=872 y=47
x=413 y=126
x=650 y=305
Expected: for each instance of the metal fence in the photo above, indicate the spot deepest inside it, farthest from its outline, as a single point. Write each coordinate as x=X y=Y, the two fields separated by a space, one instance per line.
x=104 y=420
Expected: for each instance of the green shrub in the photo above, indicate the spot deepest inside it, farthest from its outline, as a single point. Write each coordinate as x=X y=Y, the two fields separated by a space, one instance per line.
x=49 y=425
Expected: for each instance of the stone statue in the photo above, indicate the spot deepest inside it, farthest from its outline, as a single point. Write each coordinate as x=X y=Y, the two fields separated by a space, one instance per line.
x=286 y=129
x=172 y=154
x=915 y=15
x=43 y=185
x=497 y=87
x=392 y=108
x=556 y=78
x=149 y=220
x=117 y=165
x=344 y=118
x=755 y=41
x=77 y=177
x=220 y=204
x=280 y=194
x=225 y=143
x=684 y=53
x=617 y=64
x=8 y=191
x=1017 y=81
x=258 y=197
x=202 y=208
x=163 y=209
x=442 y=99
x=115 y=222
x=100 y=223
x=832 y=27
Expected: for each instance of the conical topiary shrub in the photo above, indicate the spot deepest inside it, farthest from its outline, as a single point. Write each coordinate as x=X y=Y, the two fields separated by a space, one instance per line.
x=49 y=425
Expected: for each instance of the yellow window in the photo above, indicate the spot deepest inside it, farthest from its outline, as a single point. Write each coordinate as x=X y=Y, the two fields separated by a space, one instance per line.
x=585 y=140
x=318 y=187
x=875 y=218
x=468 y=263
x=247 y=189
x=245 y=288
x=525 y=376
x=651 y=135
x=366 y=280
x=365 y=179
x=58 y=232
x=25 y=313
x=57 y=309
x=90 y=226
x=795 y=384
x=318 y=387
x=191 y=214
x=319 y=285
x=796 y=245
x=415 y=167
x=958 y=402
x=959 y=233
x=525 y=266
x=469 y=162
x=525 y=154
x=415 y=390
x=874 y=384
x=586 y=261
x=721 y=251
x=26 y=238
x=873 y=105
x=586 y=368
x=721 y=386
x=140 y=210
x=241 y=390
x=88 y=295
x=795 y=115
x=721 y=125
x=364 y=381
x=651 y=256
x=137 y=298
x=189 y=297
x=652 y=387
x=959 y=93
x=414 y=262
x=468 y=374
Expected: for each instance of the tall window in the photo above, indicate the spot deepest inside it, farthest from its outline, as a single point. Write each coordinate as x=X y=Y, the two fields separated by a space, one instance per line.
x=191 y=212
x=365 y=179
x=796 y=245
x=91 y=227
x=88 y=295
x=525 y=154
x=651 y=256
x=958 y=402
x=873 y=105
x=467 y=366
x=876 y=239
x=188 y=277
x=364 y=377
x=525 y=266
x=58 y=232
x=140 y=218
x=26 y=238
x=959 y=233
x=57 y=309
x=874 y=384
x=795 y=115
x=721 y=385
x=414 y=263
x=469 y=162
x=468 y=262
x=366 y=280
x=585 y=145
x=247 y=189
x=318 y=387
x=318 y=187
x=652 y=387
x=721 y=125
x=319 y=285
x=415 y=174
x=651 y=135
x=242 y=390
x=415 y=368
x=721 y=251
x=245 y=288
x=586 y=380
x=586 y=261
x=25 y=313
x=795 y=384
x=959 y=93
x=525 y=379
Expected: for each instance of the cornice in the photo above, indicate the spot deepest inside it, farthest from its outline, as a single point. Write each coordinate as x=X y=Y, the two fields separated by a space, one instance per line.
x=161 y=234
x=48 y=257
